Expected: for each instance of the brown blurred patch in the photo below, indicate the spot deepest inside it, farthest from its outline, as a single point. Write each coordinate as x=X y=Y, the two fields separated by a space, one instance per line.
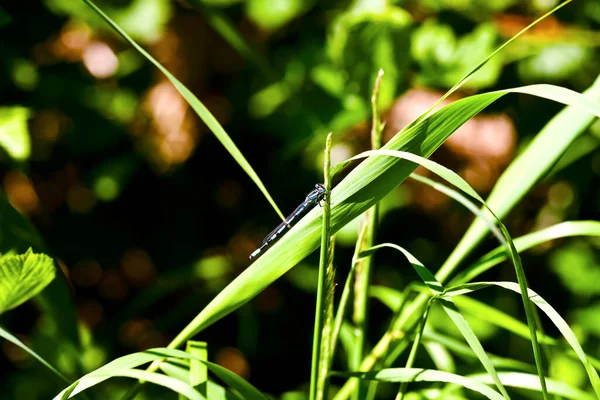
x=20 y=192
x=137 y=267
x=112 y=286
x=90 y=313
x=234 y=360
x=478 y=151
x=86 y=273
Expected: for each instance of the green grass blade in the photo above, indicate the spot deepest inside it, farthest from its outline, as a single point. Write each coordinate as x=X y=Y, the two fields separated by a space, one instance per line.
x=529 y=167
x=504 y=237
x=555 y=317
x=463 y=350
x=496 y=256
x=197 y=105
x=423 y=375
x=198 y=375
x=14 y=340
x=323 y=318
x=450 y=308
x=122 y=365
x=368 y=183
x=498 y=318
x=530 y=382
x=339 y=317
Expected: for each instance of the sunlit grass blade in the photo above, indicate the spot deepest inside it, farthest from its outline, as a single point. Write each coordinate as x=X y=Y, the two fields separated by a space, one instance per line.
x=498 y=318
x=555 y=317
x=450 y=308
x=464 y=351
x=423 y=375
x=529 y=167
x=323 y=326
x=179 y=369
x=502 y=236
x=198 y=376
x=530 y=382
x=14 y=340
x=496 y=256
x=197 y=105
x=182 y=372
x=368 y=183
x=441 y=357
x=339 y=317
x=123 y=366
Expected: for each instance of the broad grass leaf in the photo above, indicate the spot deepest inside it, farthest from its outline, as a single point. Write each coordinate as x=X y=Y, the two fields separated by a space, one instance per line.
x=530 y=166
x=368 y=183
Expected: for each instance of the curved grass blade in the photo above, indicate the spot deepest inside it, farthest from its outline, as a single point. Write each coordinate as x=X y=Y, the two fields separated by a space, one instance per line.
x=197 y=105
x=532 y=164
x=496 y=256
x=530 y=382
x=14 y=340
x=461 y=349
x=503 y=237
x=422 y=375
x=125 y=364
x=368 y=183
x=492 y=315
x=450 y=308
x=555 y=317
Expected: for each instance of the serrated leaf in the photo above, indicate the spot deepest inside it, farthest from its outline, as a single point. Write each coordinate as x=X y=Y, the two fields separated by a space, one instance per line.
x=22 y=277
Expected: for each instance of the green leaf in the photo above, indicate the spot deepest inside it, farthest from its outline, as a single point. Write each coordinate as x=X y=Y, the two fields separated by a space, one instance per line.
x=14 y=135
x=444 y=60
x=22 y=277
x=273 y=14
x=422 y=375
x=368 y=183
x=197 y=105
x=362 y=42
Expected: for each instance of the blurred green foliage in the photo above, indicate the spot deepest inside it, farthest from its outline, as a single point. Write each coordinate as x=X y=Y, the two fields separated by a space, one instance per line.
x=152 y=218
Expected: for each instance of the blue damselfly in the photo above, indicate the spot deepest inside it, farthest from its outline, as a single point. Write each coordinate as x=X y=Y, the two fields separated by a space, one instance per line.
x=313 y=198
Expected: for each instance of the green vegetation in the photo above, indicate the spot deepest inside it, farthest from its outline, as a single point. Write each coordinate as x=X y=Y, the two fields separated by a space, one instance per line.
x=459 y=238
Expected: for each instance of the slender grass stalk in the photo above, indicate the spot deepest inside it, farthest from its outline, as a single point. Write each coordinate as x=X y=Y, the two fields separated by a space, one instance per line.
x=339 y=318
x=363 y=266
x=413 y=351
x=317 y=386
